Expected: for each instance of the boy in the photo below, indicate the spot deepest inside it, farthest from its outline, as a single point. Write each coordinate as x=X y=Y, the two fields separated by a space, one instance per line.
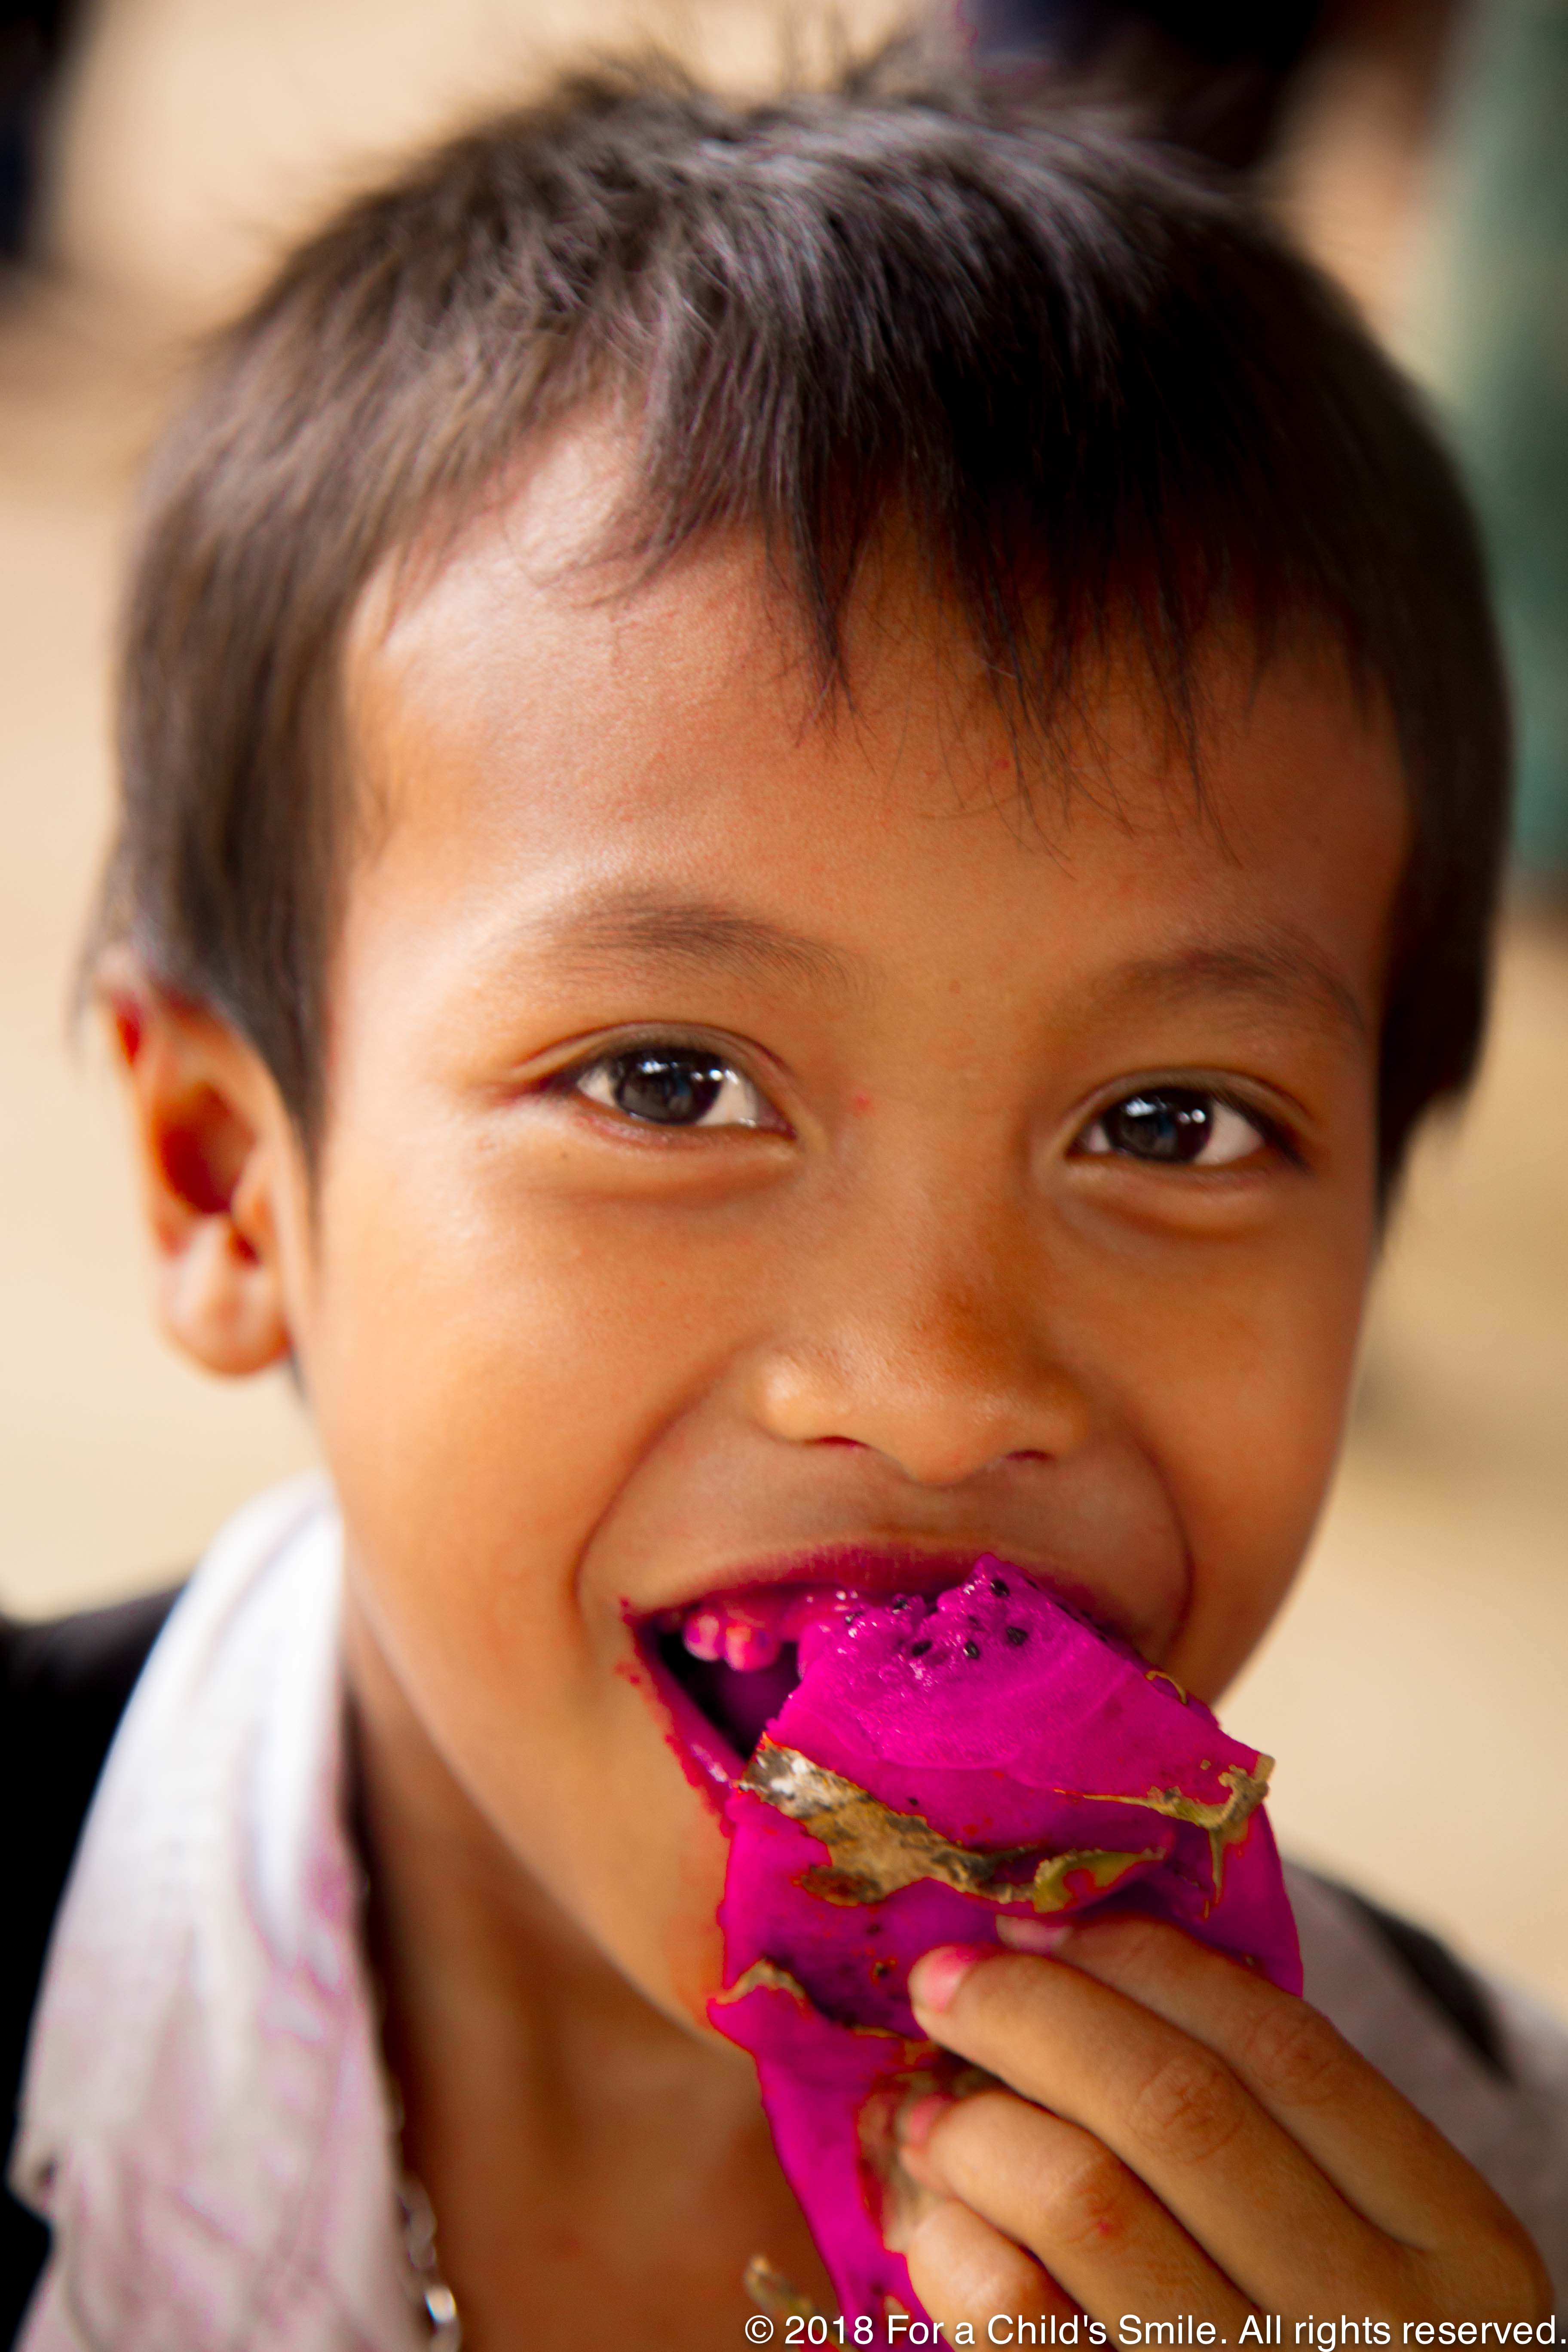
x=810 y=797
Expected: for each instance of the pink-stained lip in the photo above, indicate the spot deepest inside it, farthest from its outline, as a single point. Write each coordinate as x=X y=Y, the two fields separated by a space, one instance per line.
x=869 y=1573
x=874 y=1571
x=711 y=1762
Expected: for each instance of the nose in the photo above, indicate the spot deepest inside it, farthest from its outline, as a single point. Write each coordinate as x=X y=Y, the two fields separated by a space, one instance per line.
x=944 y=1369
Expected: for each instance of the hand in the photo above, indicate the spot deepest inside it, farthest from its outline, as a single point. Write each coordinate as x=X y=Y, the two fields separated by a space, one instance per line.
x=1180 y=2138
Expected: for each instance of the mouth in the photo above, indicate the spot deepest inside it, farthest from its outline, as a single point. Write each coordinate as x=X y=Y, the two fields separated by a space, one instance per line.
x=723 y=1664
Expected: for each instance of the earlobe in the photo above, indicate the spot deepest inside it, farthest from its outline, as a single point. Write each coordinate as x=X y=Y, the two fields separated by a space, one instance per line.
x=216 y=1153
x=220 y=1302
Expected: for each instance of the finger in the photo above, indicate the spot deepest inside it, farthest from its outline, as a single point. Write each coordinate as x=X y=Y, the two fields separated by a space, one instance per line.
x=1171 y=2110
x=1091 y=2224
x=963 y=2270
x=1387 y=2159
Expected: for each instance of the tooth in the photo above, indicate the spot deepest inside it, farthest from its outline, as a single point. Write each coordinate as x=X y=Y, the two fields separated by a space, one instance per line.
x=749 y=1646
x=703 y=1633
x=811 y=1609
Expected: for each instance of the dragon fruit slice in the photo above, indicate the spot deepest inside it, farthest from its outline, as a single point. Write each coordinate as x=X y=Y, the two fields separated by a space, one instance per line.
x=938 y=1766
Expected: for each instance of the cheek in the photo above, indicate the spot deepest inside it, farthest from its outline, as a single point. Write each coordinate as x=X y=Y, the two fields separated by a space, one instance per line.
x=487 y=1372
x=485 y=1378
x=1250 y=1398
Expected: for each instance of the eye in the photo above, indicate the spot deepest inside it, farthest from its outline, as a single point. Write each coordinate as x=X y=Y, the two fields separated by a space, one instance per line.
x=1185 y=1127
x=673 y=1085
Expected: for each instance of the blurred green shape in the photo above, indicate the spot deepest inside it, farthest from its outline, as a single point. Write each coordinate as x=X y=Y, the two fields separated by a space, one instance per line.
x=1505 y=274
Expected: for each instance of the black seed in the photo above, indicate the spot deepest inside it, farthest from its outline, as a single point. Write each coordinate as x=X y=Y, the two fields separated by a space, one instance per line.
x=974 y=1621
x=918 y=1648
x=972 y=1649
x=998 y=1585
x=1015 y=1636
x=902 y=1602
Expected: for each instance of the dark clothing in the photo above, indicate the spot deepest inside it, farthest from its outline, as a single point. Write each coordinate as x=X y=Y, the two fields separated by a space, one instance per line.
x=63 y=1688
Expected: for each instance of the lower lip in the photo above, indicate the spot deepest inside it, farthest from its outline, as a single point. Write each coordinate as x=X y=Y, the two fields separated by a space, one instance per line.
x=703 y=1754
x=712 y=1761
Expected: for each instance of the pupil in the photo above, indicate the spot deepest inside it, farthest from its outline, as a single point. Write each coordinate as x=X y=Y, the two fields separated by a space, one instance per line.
x=673 y=1089
x=1172 y=1125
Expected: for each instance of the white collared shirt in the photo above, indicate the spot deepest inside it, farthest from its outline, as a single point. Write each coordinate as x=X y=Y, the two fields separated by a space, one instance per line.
x=206 y=2123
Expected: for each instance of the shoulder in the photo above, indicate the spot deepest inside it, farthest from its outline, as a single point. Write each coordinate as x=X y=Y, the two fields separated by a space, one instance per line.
x=1484 y=2063
x=204 y=2054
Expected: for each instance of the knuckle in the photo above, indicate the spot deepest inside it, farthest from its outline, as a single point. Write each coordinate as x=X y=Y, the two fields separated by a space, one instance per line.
x=1190 y=2107
x=1090 y=2199
x=1294 y=2055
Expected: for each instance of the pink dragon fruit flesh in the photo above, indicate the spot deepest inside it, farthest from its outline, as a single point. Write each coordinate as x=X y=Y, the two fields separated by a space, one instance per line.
x=940 y=1765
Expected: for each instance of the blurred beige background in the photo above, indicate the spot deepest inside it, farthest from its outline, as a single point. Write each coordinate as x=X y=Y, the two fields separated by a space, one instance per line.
x=1413 y=1693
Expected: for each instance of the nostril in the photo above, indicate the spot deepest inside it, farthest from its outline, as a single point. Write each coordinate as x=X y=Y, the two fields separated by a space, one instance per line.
x=856 y=1442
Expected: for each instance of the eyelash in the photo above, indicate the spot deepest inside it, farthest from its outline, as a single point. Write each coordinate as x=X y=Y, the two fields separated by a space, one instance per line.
x=708 y=1066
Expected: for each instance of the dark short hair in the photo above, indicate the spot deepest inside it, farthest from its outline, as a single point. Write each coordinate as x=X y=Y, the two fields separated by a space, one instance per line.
x=1101 y=391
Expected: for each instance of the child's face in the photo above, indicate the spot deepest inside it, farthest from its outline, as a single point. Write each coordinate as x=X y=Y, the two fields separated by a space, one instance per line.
x=914 y=1288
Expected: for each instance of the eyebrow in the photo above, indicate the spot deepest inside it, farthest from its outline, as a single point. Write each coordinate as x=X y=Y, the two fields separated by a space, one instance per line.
x=1285 y=969
x=604 y=935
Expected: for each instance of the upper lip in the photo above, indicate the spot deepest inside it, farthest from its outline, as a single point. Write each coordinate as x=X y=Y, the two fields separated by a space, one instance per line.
x=881 y=1567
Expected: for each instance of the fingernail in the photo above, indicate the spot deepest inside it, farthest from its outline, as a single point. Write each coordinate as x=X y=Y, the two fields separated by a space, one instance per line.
x=1035 y=1935
x=919 y=2119
x=934 y=1979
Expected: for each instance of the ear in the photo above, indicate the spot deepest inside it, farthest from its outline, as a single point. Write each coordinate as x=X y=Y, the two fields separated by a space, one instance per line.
x=217 y=1157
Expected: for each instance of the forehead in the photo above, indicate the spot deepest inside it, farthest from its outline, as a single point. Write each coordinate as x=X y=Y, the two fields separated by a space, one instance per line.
x=655 y=768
